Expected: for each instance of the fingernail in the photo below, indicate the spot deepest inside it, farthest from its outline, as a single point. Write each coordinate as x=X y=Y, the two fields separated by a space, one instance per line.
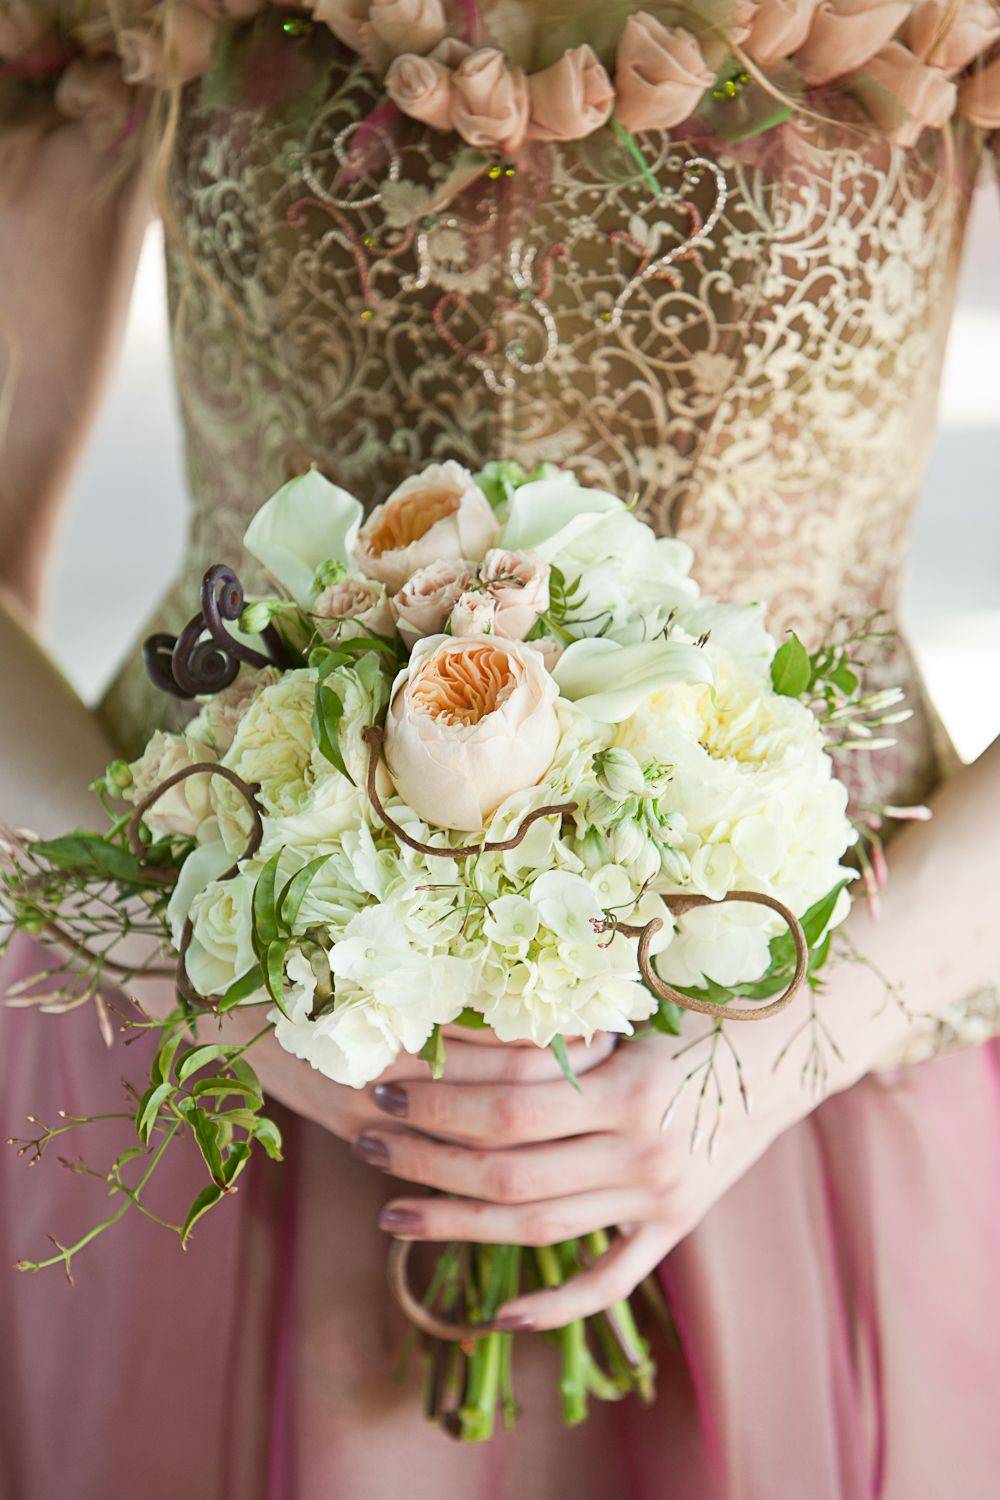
x=391 y=1099
x=401 y=1221
x=513 y=1322
x=370 y=1149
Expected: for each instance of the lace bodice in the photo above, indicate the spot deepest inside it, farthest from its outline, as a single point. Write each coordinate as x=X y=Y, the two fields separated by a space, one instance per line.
x=747 y=339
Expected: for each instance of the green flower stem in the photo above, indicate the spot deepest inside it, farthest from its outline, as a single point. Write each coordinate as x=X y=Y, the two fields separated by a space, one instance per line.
x=630 y=1348
x=66 y=1253
x=581 y=1375
x=631 y=145
x=478 y=1410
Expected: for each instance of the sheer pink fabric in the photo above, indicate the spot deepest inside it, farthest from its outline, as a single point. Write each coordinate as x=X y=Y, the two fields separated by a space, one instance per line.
x=837 y=1312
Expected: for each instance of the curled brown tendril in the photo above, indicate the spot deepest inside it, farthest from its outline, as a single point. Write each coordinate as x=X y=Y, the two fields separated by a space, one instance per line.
x=374 y=738
x=249 y=793
x=677 y=905
x=418 y=1313
x=189 y=665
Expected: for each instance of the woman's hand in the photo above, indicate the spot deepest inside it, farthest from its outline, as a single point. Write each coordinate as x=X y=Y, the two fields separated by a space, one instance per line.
x=534 y=1162
x=352 y=1113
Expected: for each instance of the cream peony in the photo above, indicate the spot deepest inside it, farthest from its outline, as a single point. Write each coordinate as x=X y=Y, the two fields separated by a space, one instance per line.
x=187 y=805
x=439 y=514
x=220 y=714
x=470 y=723
x=423 y=604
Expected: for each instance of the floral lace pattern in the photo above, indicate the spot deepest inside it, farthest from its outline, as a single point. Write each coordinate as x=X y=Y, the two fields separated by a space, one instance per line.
x=753 y=351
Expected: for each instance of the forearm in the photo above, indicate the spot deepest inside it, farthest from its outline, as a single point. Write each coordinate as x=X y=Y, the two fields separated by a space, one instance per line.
x=71 y=223
x=51 y=744
x=935 y=943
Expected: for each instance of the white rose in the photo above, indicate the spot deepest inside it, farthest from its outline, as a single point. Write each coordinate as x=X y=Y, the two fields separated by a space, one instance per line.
x=185 y=807
x=221 y=950
x=274 y=745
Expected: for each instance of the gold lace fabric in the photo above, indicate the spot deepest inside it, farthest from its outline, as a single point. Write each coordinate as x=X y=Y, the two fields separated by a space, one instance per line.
x=749 y=342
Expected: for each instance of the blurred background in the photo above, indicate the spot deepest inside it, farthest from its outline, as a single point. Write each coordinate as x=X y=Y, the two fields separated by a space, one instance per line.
x=133 y=472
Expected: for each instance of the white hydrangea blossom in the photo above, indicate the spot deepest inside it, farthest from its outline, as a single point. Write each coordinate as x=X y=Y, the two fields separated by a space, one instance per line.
x=706 y=786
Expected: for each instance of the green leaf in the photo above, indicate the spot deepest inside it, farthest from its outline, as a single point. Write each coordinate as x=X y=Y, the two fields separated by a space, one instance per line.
x=150 y=1108
x=269 y=1136
x=291 y=898
x=327 y=714
x=235 y=1161
x=791 y=669
x=206 y=1199
x=241 y=989
x=845 y=680
x=667 y=1017
x=274 y=972
x=264 y=911
x=217 y=1087
x=558 y=1046
x=433 y=1052
x=472 y=1019
x=198 y=1057
x=206 y=1133
x=817 y=918
x=164 y=1059
x=93 y=857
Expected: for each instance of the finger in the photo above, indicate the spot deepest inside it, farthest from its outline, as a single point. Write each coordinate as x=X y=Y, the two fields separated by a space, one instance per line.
x=524 y=1174
x=611 y=1279
x=496 y=1114
x=443 y=1219
x=471 y=1062
x=476 y=1062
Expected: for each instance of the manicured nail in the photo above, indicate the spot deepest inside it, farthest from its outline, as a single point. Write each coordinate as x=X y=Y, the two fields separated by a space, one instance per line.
x=370 y=1149
x=401 y=1221
x=513 y=1322
x=392 y=1100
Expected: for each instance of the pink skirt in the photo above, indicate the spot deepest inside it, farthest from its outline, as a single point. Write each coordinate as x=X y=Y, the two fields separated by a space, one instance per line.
x=838 y=1313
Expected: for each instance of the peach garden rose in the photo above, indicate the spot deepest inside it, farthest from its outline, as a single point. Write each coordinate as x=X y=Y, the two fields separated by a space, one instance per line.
x=441 y=513
x=470 y=722
x=424 y=602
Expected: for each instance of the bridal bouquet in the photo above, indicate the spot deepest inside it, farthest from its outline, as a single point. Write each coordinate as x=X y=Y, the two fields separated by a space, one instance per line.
x=484 y=759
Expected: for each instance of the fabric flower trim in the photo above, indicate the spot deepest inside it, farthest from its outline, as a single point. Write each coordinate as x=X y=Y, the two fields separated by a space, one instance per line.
x=901 y=59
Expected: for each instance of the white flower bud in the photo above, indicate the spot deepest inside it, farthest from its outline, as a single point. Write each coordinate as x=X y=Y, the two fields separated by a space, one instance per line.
x=675 y=864
x=627 y=842
x=593 y=849
x=255 y=617
x=619 y=774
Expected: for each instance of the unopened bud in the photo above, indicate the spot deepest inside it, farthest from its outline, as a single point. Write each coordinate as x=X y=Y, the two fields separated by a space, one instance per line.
x=619 y=774
x=118 y=775
x=327 y=574
x=255 y=617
